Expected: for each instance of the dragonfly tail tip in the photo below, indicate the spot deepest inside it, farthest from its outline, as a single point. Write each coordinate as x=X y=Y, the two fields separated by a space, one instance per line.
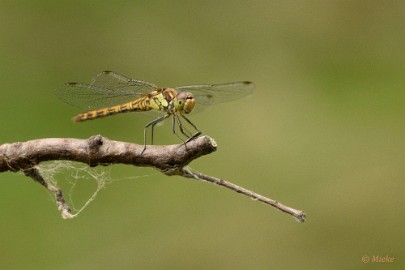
x=77 y=118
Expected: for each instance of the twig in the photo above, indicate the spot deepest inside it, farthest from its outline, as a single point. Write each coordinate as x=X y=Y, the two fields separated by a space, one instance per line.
x=298 y=214
x=60 y=200
x=97 y=150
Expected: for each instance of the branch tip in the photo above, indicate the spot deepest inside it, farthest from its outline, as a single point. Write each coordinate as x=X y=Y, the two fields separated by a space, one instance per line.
x=298 y=214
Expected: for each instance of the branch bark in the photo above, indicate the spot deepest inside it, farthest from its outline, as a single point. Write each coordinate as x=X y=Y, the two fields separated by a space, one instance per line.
x=98 y=150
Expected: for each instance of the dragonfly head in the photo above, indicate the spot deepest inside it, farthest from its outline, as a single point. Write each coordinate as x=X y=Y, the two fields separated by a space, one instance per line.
x=184 y=102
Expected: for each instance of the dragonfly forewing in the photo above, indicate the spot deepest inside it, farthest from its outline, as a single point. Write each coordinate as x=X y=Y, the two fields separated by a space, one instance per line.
x=113 y=80
x=210 y=94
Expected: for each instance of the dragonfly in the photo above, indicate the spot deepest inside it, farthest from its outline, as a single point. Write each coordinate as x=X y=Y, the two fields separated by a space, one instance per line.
x=110 y=93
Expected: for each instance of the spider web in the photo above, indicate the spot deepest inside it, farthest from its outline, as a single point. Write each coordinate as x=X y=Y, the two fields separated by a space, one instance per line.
x=79 y=182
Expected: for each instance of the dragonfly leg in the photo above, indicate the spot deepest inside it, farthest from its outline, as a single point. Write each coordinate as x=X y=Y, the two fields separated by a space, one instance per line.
x=175 y=118
x=183 y=130
x=152 y=125
x=198 y=132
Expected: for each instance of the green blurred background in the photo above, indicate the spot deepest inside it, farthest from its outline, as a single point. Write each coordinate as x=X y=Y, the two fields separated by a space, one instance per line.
x=323 y=132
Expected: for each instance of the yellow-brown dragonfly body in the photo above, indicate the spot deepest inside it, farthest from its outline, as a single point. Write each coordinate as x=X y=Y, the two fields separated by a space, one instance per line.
x=111 y=93
x=160 y=99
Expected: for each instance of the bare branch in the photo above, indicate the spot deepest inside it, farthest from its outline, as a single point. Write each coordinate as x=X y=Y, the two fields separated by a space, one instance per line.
x=298 y=214
x=97 y=150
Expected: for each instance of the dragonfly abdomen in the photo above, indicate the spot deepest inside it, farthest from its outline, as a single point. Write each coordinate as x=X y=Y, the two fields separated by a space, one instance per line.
x=133 y=106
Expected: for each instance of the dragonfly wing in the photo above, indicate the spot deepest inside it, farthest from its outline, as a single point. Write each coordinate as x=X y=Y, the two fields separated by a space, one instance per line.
x=106 y=89
x=113 y=80
x=210 y=94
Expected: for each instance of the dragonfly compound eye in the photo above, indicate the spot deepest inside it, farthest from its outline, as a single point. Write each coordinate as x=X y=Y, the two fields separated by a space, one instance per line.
x=185 y=102
x=189 y=105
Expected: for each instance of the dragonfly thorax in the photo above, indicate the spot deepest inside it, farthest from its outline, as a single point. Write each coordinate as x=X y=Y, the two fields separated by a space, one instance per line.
x=184 y=102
